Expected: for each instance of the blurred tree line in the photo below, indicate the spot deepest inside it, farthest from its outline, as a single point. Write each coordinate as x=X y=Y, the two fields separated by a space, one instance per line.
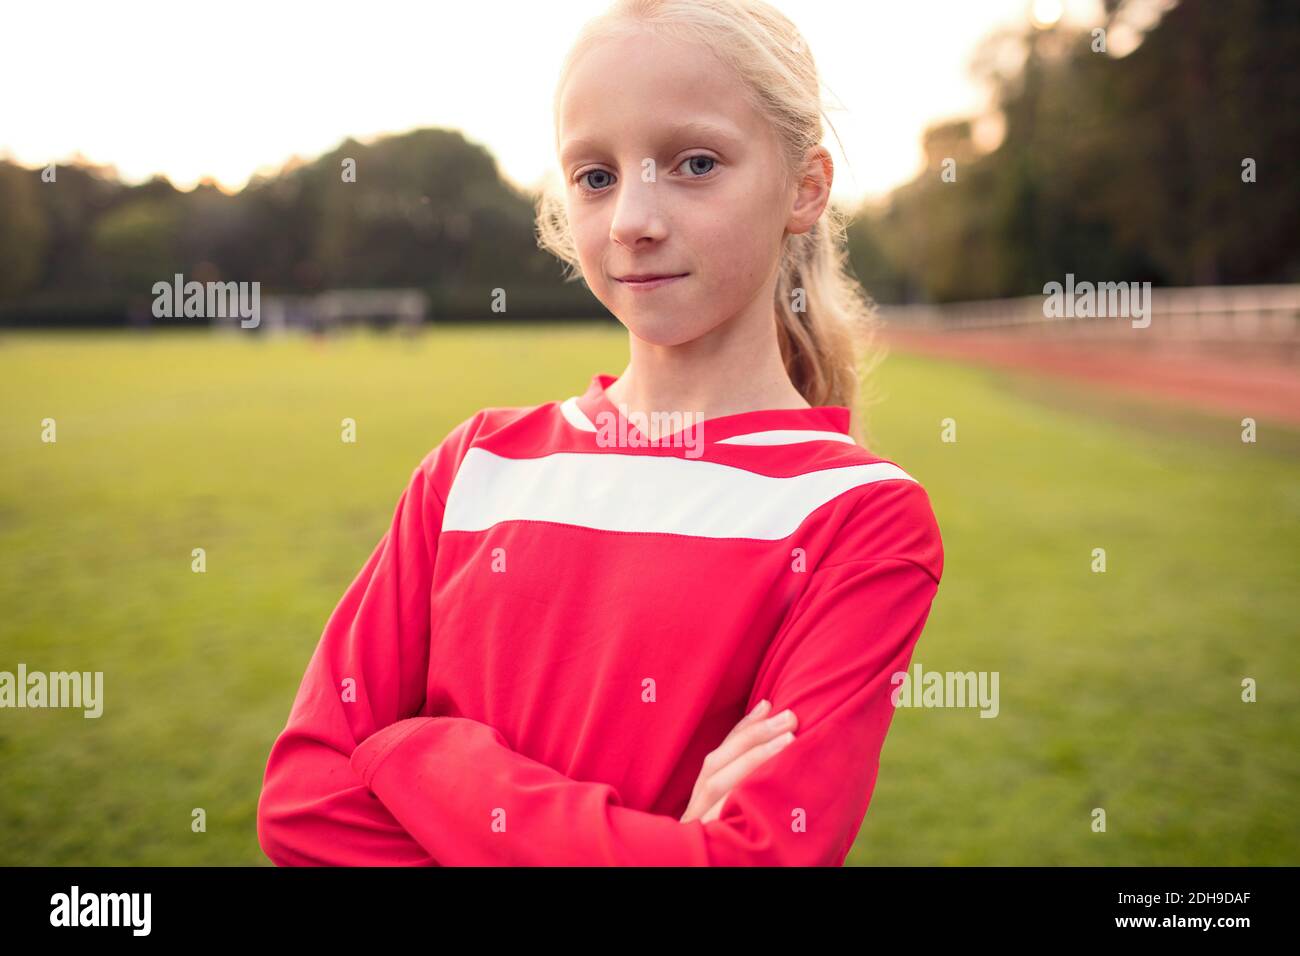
x=1122 y=168
x=1113 y=168
x=424 y=210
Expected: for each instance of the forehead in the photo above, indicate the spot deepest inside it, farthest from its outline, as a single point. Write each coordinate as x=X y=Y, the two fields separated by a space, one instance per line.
x=646 y=87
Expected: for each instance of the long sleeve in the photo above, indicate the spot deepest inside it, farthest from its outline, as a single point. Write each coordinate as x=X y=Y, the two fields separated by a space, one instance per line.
x=459 y=788
x=367 y=672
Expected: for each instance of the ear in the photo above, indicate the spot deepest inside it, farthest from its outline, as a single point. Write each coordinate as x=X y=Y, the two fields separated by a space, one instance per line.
x=812 y=190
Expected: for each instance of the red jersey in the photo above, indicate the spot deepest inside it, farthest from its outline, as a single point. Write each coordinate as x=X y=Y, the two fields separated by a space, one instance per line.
x=565 y=617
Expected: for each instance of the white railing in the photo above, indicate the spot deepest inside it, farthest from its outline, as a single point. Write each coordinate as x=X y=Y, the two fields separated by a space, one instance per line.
x=1256 y=314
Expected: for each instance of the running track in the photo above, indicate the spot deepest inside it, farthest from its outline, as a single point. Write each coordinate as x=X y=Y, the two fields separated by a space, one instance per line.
x=1262 y=387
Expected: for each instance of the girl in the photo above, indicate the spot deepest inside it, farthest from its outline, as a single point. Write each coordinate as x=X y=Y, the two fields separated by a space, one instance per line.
x=585 y=640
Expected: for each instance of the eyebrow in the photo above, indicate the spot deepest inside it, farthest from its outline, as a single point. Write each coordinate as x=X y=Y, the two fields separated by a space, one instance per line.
x=680 y=131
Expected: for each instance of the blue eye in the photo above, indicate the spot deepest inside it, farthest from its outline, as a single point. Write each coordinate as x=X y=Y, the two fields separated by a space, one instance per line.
x=594 y=172
x=707 y=159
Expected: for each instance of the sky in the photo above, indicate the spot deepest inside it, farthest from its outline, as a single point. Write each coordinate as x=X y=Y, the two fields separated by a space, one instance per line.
x=224 y=90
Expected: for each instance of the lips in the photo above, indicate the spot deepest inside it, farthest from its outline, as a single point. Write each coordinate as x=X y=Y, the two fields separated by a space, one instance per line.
x=650 y=280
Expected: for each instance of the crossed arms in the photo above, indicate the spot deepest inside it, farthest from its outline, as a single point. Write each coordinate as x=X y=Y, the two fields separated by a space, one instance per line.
x=355 y=780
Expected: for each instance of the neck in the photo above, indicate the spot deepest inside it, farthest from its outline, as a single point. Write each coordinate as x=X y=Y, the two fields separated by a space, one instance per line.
x=731 y=370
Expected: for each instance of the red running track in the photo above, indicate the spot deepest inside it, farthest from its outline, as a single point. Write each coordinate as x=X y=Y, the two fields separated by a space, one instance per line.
x=1256 y=386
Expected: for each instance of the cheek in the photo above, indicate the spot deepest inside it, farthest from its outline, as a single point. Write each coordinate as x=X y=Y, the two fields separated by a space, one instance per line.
x=740 y=246
x=589 y=232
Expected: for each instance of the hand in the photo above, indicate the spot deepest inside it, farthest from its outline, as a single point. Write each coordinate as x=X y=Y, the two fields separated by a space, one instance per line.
x=750 y=742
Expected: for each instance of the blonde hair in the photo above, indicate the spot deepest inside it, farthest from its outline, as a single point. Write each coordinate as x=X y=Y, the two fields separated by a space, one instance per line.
x=824 y=344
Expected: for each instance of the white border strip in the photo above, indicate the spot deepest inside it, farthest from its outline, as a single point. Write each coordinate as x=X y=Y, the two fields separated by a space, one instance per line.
x=789 y=436
x=650 y=494
x=575 y=415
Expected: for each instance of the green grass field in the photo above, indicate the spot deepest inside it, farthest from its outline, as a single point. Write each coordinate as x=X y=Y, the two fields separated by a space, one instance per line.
x=1119 y=690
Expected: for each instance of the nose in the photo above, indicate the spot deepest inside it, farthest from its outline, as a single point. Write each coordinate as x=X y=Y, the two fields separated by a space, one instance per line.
x=636 y=213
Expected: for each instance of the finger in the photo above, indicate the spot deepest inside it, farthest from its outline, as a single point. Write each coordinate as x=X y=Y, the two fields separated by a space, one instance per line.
x=715 y=811
x=728 y=767
x=760 y=711
x=761 y=731
x=733 y=773
x=747 y=736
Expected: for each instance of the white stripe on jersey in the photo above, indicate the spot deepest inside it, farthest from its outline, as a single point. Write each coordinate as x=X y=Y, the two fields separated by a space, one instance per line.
x=787 y=436
x=644 y=493
x=575 y=416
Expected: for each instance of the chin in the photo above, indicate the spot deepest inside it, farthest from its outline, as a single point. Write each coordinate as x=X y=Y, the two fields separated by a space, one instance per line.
x=666 y=333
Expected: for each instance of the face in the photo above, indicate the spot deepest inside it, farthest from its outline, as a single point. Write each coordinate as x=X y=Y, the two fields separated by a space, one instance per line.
x=669 y=171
